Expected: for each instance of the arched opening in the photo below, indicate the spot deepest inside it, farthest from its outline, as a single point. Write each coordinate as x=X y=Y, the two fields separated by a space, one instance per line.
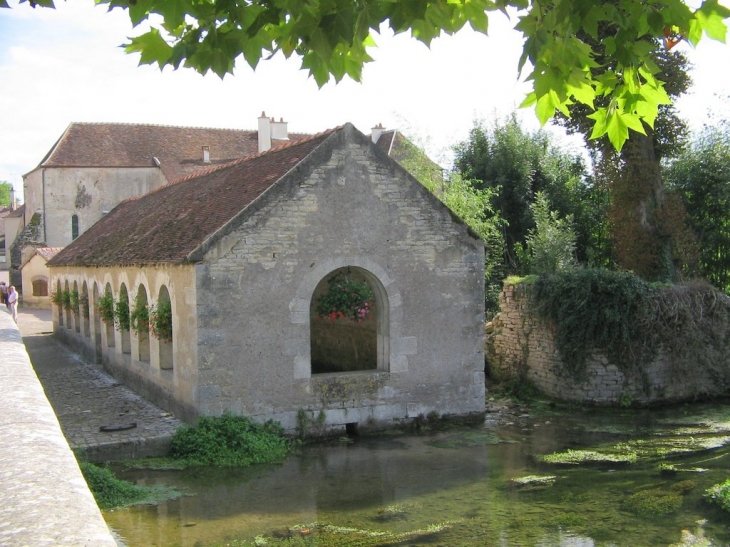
x=121 y=314
x=348 y=323
x=161 y=326
x=97 y=321
x=75 y=307
x=141 y=324
x=74 y=227
x=58 y=300
x=67 y=304
x=84 y=308
x=105 y=311
x=40 y=286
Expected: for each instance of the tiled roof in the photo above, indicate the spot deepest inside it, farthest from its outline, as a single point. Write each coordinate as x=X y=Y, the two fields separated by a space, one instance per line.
x=178 y=149
x=45 y=252
x=169 y=223
x=48 y=252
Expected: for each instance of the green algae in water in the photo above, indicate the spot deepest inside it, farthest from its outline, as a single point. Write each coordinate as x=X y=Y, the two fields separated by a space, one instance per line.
x=466 y=439
x=654 y=503
x=326 y=535
x=575 y=457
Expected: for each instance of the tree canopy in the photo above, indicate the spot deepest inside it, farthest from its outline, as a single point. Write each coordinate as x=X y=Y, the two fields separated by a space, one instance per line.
x=572 y=58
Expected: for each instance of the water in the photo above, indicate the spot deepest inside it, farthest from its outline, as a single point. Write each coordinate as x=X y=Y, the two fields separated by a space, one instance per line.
x=454 y=488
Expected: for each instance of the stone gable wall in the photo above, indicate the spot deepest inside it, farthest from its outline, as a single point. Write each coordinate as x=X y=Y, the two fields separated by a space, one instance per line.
x=520 y=347
x=347 y=208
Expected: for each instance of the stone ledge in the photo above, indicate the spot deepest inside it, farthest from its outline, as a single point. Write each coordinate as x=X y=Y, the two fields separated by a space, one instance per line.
x=44 y=499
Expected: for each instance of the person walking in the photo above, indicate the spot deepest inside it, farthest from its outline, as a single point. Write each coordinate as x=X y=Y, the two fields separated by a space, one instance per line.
x=13 y=302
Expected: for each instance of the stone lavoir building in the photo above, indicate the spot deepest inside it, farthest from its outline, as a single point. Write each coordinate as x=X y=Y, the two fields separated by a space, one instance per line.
x=244 y=253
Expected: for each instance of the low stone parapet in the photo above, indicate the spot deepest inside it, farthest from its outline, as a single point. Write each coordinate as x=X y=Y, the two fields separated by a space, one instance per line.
x=44 y=499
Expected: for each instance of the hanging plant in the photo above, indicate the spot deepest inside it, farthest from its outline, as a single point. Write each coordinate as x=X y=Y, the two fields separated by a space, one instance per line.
x=84 y=305
x=74 y=301
x=121 y=314
x=345 y=299
x=140 y=317
x=57 y=298
x=66 y=299
x=105 y=308
x=161 y=321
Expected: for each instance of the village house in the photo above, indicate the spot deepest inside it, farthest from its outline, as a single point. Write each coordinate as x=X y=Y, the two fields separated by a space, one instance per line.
x=95 y=166
x=254 y=260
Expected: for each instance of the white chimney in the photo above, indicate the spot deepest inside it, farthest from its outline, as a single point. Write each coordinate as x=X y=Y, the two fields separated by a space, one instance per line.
x=264 y=133
x=376 y=132
x=278 y=130
x=13 y=204
x=206 y=154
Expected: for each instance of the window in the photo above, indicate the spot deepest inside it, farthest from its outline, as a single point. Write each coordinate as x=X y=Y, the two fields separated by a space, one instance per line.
x=40 y=287
x=74 y=226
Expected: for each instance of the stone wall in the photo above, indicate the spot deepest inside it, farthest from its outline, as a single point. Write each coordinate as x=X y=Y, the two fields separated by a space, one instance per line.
x=44 y=500
x=345 y=207
x=520 y=347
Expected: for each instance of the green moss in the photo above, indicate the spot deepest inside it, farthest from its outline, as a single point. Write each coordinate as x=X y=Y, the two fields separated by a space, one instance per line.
x=575 y=457
x=654 y=503
x=719 y=494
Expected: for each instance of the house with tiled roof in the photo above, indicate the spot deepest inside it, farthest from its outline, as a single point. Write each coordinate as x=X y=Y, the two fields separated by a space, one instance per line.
x=316 y=282
x=35 y=276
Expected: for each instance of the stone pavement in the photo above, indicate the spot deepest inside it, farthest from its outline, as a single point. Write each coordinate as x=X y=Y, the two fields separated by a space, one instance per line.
x=86 y=399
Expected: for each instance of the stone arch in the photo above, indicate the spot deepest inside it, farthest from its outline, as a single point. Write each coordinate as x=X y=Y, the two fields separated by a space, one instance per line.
x=121 y=307
x=165 y=345
x=109 y=327
x=84 y=309
x=141 y=310
x=348 y=339
x=389 y=325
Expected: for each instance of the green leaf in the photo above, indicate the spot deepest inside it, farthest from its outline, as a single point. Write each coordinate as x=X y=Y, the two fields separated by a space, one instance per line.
x=711 y=17
x=152 y=47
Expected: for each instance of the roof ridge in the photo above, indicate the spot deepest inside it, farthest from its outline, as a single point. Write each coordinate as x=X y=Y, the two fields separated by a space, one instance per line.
x=238 y=161
x=127 y=124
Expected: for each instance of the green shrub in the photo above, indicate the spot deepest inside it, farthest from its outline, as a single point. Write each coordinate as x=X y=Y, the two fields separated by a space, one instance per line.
x=594 y=308
x=160 y=320
x=139 y=317
x=229 y=441
x=719 y=494
x=110 y=492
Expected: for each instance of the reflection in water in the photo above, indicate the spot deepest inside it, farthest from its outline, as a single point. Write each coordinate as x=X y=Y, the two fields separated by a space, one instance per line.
x=408 y=483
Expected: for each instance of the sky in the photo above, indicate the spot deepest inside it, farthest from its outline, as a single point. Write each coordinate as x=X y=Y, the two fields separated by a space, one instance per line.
x=65 y=65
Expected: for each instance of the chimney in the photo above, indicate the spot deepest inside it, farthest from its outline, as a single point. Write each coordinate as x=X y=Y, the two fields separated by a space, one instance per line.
x=206 y=154
x=264 y=133
x=12 y=198
x=278 y=130
x=376 y=132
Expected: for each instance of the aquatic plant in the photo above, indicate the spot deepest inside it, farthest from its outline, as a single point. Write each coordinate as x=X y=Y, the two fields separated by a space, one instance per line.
x=653 y=503
x=113 y=493
x=719 y=494
x=229 y=441
x=575 y=457
x=533 y=482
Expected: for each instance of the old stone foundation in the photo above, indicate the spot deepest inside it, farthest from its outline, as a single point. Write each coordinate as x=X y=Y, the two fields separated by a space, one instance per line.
x=518 y=346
